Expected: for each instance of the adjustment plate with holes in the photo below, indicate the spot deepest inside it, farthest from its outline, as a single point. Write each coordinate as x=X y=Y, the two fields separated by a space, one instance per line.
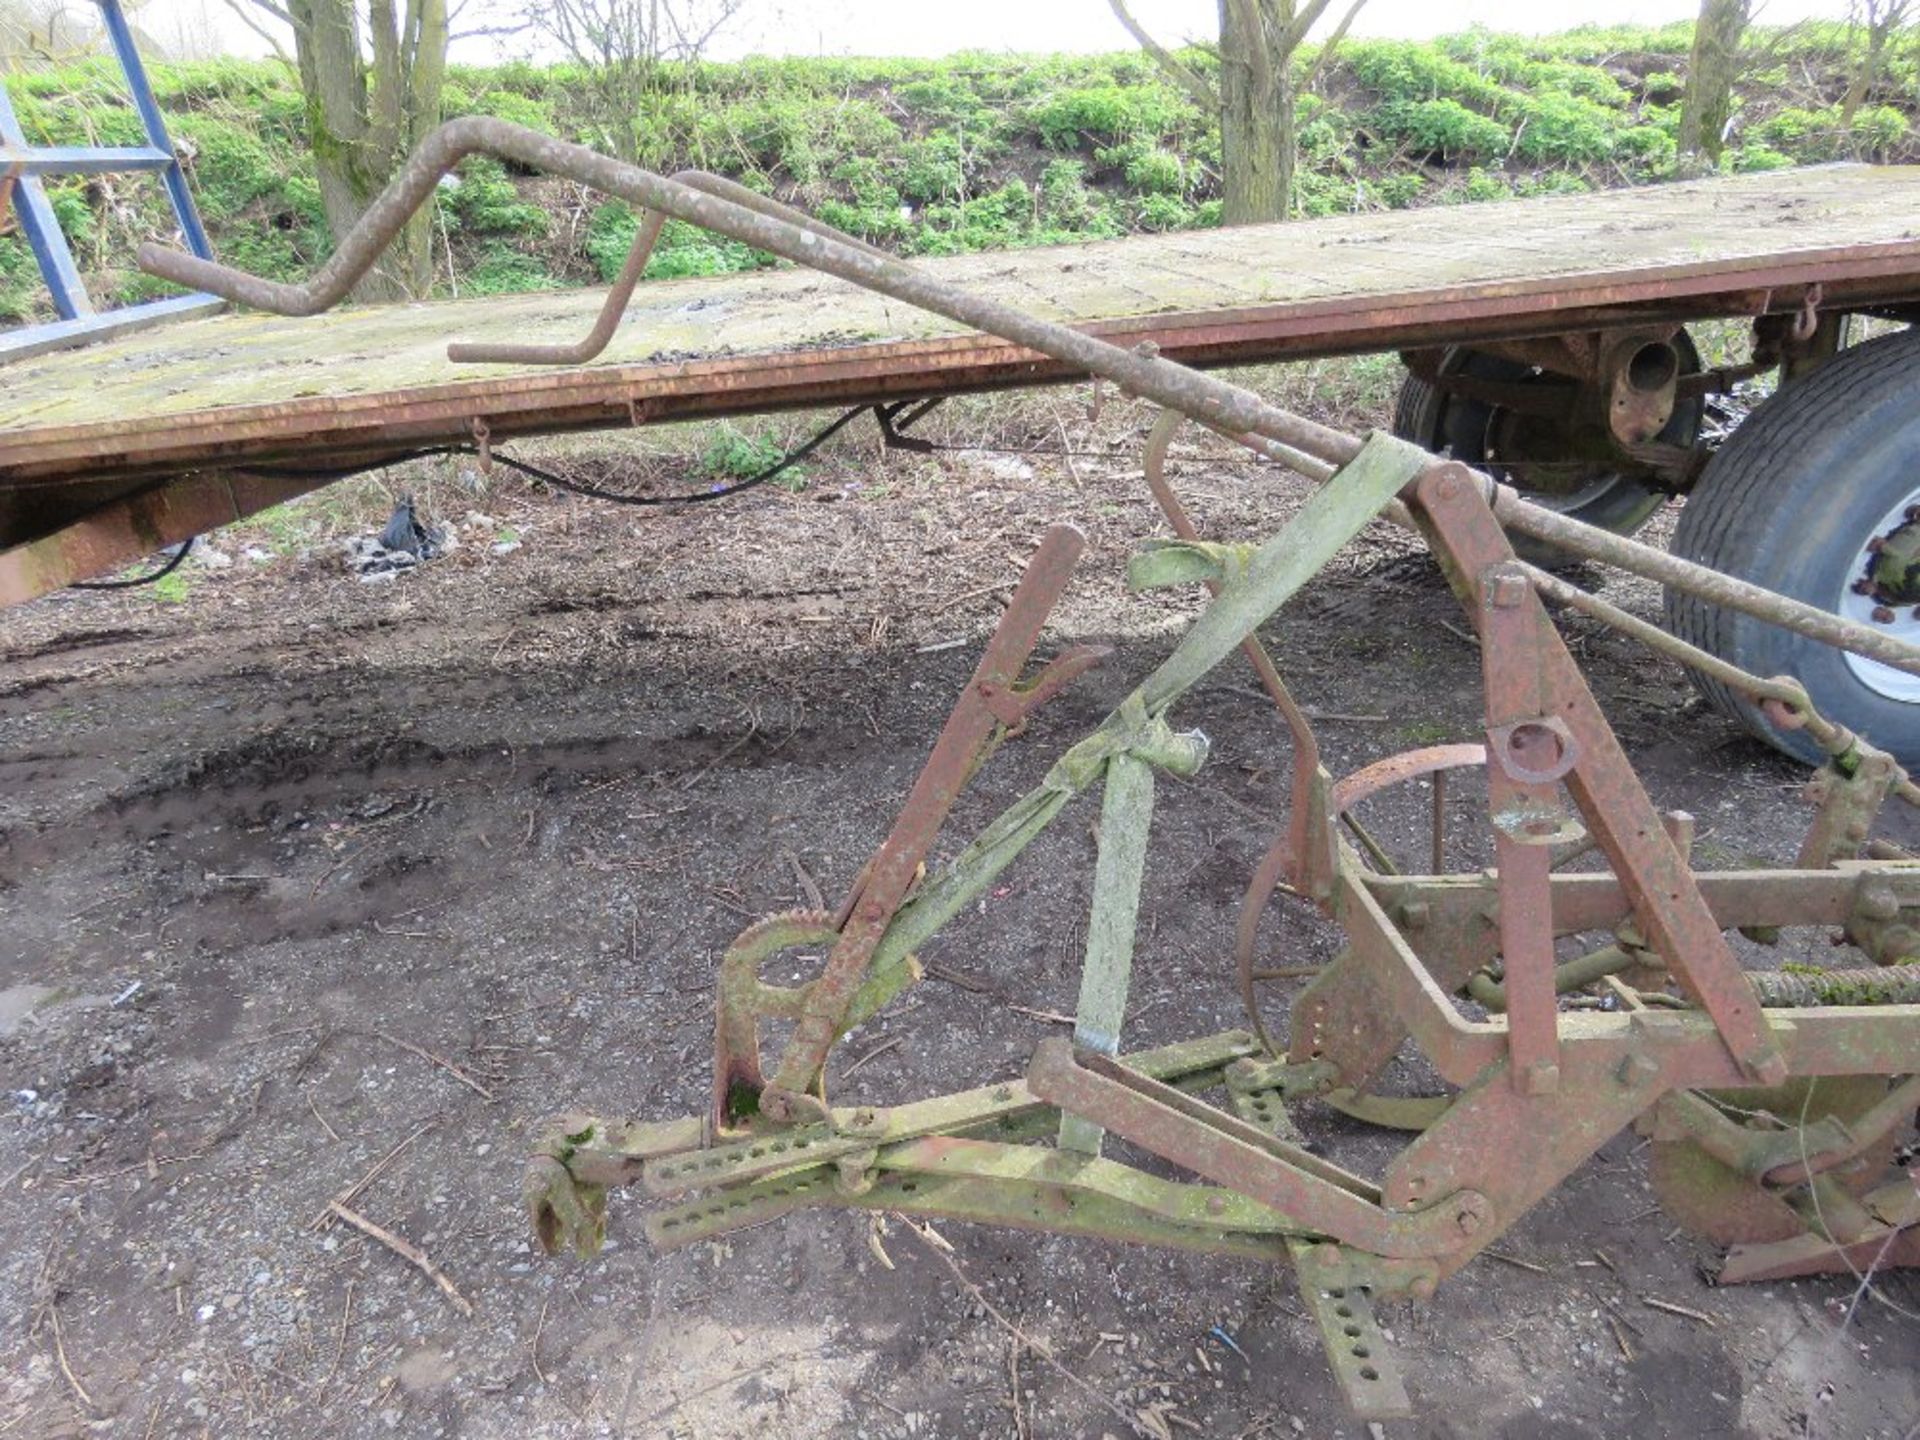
x=1363 y=1363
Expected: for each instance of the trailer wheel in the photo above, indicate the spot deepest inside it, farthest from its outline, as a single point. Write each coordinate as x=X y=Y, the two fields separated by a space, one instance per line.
x=1817 y=496
x=1553 y=464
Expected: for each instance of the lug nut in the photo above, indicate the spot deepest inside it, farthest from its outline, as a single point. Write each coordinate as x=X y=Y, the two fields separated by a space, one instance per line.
x=1883 y=615
x=1876 y=545
x=1863 y=587
x=1913 y=512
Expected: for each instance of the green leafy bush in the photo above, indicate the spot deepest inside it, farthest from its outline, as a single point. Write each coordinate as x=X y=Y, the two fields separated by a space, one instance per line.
x=70 y=208
x=684 y=250
x=1397 y=192
x=501 y=104
x=1065 y=200
x=1443 y=127
x=1877 y=129
x=943 y=99
x=1662 y=87
x=483 y=201
x=1652 y=147
x=1107 y=114
x=934 y=168
x=1410 y=71
x=1795 y=130
x=1563 y=130
x=502 y=271
x=1551 y=182
x=1165 y=212
x=732 y=454
x=1156 y=172
x=1756 y=155
x=610 y=232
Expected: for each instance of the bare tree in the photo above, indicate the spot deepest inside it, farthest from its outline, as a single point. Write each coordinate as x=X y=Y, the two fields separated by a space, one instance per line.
x=1255 y=96
x=371 y=72
x=1711 y=70
x=1881 y=19
x=37 y=33
x=626 y=46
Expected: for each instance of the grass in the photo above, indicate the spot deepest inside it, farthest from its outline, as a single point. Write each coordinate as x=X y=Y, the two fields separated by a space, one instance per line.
x=934 y=157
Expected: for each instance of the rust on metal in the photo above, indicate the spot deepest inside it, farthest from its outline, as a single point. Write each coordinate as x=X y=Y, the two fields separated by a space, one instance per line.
x=124 y=529
x=991 y=704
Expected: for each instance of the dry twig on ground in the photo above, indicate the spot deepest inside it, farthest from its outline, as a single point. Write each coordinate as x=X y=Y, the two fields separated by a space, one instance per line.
x=406 y=1250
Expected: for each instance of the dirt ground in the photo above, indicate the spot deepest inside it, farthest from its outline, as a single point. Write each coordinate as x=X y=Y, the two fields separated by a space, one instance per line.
x=301 y=873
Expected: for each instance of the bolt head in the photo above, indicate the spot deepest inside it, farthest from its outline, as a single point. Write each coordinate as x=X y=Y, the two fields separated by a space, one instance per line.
x=1540 y=1078
x=1863 y=587
x=1636 y=1069
x=1882 y=615
x=1507 y=591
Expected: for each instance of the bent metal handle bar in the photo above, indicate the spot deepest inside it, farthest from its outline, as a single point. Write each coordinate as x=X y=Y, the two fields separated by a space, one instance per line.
x=1232 y=410
x=581 y=351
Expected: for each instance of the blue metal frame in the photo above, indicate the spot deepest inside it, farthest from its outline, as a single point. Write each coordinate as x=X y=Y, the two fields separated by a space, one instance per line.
x=24 y=164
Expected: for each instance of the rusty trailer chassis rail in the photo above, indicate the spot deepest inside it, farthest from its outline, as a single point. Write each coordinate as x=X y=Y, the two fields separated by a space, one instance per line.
x=1774 y=1101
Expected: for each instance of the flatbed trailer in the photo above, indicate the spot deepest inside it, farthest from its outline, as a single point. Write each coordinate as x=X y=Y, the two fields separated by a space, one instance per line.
x=1545 y=338
x=150 y=414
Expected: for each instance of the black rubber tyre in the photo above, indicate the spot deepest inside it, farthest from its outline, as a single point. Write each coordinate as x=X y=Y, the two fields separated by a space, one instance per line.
x=1790 y=502
x=1461 y=427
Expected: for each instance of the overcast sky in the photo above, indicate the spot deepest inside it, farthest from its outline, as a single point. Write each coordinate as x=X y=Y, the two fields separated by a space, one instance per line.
x=915 y=27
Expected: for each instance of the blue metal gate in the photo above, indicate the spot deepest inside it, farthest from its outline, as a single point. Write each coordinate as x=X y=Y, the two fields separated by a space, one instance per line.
x=21 y=169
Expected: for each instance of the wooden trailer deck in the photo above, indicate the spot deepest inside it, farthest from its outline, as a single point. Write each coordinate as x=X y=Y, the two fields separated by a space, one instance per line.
x=81 y=427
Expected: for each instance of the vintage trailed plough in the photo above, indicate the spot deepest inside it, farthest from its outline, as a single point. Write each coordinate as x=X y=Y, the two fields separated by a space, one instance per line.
x=1775 y=1100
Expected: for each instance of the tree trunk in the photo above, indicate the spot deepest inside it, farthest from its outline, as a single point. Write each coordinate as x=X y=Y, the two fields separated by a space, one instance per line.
x=363 y=121
x=1883 y=18
x=1256 y=112
x=1711 y=71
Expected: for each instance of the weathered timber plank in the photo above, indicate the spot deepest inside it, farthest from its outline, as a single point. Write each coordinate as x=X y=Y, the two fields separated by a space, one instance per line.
x=248 y=385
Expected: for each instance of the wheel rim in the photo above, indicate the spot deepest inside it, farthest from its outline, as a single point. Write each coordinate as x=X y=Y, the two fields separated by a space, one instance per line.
x=1881 y=588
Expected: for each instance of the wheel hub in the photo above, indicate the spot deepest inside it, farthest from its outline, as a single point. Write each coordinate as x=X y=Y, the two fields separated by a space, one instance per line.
x=1883 y=589
x=1893 y=562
